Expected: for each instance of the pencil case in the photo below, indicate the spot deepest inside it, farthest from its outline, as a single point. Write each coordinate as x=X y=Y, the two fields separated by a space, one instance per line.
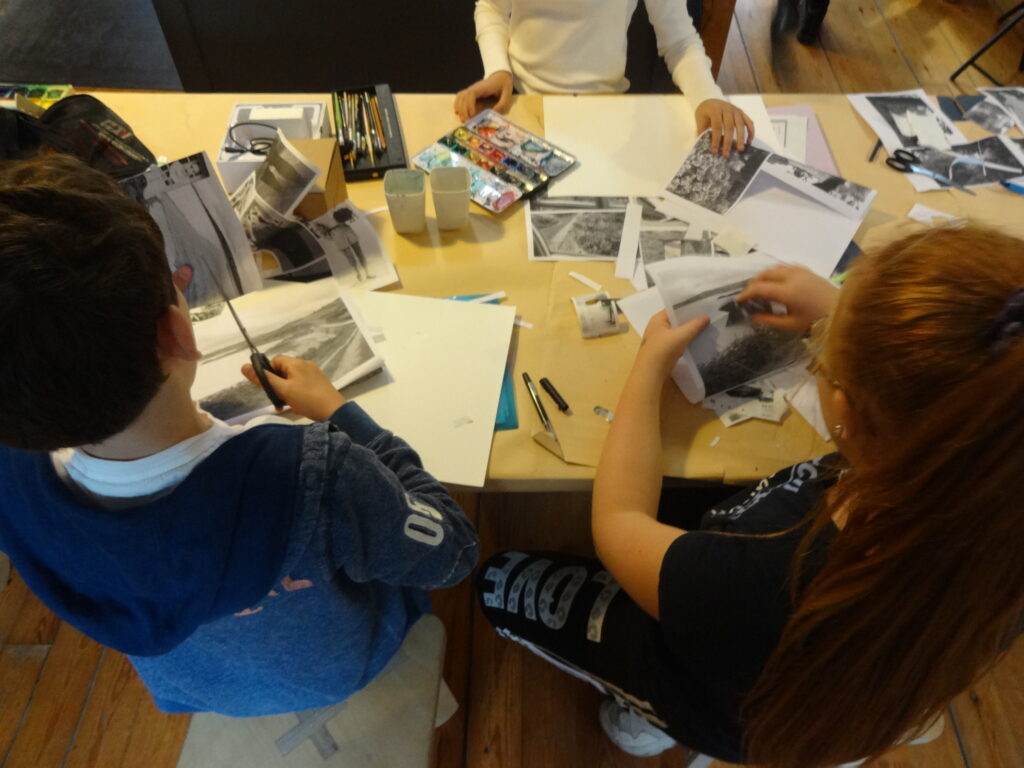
x=369 y=131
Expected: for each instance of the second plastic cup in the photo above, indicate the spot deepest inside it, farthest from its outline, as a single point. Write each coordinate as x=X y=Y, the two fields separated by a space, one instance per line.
x=450 y=188
x=405 y=192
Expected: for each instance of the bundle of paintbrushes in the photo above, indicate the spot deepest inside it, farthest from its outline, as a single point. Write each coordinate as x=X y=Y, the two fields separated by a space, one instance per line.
x=368 y=131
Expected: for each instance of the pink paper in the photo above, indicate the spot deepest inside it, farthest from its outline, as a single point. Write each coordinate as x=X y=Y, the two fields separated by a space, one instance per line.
x=818 y=153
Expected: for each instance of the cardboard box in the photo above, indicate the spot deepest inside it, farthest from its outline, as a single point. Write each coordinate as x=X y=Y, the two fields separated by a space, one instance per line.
x=330 y=190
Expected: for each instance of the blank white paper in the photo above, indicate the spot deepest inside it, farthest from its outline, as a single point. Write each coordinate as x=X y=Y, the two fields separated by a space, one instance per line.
x=447 y=360
x=630 y=145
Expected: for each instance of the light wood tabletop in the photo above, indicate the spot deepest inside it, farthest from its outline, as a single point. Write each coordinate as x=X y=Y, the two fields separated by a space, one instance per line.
x=491 y=255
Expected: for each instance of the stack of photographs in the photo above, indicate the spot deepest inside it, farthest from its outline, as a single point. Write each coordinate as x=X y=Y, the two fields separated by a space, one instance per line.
x=506 y=162
x=340 y=242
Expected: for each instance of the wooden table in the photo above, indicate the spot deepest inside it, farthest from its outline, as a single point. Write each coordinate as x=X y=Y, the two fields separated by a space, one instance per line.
x=491 y=255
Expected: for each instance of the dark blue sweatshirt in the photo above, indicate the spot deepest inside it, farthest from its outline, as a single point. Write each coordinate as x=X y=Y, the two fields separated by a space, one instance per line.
x=281 y=574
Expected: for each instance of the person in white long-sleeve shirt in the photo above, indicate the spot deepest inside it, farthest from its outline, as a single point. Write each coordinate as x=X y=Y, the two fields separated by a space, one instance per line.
x=579 y=46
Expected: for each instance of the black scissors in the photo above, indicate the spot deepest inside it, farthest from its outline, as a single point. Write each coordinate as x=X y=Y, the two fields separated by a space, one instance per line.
x=905 y=161
x=260 y=363
x=258 y=360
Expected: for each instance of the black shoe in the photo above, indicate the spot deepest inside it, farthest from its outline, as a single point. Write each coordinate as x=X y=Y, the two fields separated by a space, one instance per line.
x=811 y=26
x=787 y=14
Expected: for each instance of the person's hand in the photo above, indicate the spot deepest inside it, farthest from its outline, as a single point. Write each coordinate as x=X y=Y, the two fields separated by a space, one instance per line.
x=806 y=296
x=302 y=385
x=497 y=86
x=725 y=121
x=663 y=345
x=182 y=277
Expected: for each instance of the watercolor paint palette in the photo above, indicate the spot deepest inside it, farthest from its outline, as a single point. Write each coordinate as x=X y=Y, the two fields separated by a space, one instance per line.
x=506 y=162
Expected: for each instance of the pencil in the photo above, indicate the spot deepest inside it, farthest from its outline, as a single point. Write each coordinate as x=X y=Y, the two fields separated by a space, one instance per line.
x=366 y=124
x=339 y=129
x=380 y=124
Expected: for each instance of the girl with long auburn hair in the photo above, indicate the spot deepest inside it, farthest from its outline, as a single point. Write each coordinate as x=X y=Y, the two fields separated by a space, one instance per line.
x=832 y=611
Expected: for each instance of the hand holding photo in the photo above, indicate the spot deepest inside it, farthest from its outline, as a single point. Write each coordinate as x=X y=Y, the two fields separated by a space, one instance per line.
x=731 y=351
x=712 y=181
x=309 y=321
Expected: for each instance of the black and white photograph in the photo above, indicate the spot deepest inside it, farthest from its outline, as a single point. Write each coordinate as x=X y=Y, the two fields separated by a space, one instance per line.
x=1011 y=99
x=199 y=228
x=971 y=164
x=571 y=228
x=340 y=243
x=913 y=119
x=649 y=213
x=906 y=119
x=657 y=245
x=837 y=193
x=990 y=116
x=712 y=181
x=732 y=351
x=313 y=325
x=544 y=202
x=354 y=253
x=285 y=177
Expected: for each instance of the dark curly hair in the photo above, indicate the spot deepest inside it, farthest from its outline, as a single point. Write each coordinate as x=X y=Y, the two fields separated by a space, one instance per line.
x=83 y=282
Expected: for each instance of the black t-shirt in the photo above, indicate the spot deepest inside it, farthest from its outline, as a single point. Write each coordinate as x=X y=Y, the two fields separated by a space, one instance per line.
x=724 y=600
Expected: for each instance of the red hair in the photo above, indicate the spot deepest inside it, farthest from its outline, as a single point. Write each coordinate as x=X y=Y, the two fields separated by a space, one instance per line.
x=923 y=588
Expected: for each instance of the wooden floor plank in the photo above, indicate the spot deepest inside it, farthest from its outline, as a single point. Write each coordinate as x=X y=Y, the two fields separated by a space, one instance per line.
x=782 y=65
x=494 y=728
x=921 y=37
x=862 y=51
x=968 y=24
x=455 y=608
x=991 y=714
x=12 y=597
x=736 y=74
x=19 y=671
x=35 y=624
x=944 y=752
x=52 y=717
x=121 y=727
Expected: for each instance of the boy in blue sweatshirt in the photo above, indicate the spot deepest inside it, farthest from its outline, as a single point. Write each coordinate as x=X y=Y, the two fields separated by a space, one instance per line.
x=247 y=571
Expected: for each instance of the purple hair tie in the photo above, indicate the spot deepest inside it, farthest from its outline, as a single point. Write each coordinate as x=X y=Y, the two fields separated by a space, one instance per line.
x=1010 y=321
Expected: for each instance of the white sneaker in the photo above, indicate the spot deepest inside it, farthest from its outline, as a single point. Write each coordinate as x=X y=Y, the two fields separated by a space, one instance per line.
x=631 y=732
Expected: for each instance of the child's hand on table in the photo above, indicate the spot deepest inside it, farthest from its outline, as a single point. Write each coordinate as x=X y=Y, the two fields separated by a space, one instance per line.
x=302 y=385
x=806 y=296
x=663 y=345
x=724 y=120
x=497 y=86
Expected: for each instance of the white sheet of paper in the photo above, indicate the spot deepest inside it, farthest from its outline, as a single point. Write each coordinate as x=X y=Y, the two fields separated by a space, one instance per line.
x=625 y=264
x=791 y=226
x=629 y=145
x=805 y=401
x=447 y=359
x=641 y=307
x=791 y=131
x=925 y=215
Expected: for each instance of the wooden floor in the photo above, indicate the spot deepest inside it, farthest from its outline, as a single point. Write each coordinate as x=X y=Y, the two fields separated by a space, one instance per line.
x=67 y=703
